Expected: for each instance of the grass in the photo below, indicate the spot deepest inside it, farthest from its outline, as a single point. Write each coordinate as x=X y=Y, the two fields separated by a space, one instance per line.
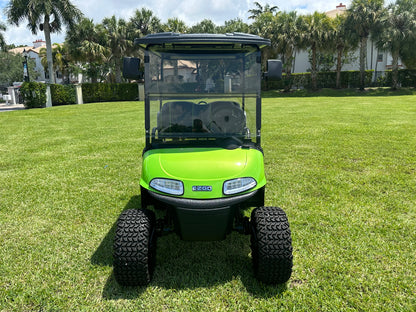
x=344 y=170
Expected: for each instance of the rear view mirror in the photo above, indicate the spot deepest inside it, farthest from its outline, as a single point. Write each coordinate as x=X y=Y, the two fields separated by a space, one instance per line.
x=131 y=69
x=274 y=69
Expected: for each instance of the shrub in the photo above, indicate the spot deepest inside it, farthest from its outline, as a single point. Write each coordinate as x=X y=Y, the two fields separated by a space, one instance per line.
x=33 y=94
x=407 y=78
x=349 y=79
x=296 y=81
x=63 y=94
x=107 y=92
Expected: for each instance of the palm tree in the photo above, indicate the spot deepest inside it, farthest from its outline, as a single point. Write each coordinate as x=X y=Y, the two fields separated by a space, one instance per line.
x=343 y=41
x=145 y=22
x=86 y=45
x=117 y=42
x=399 y=27
x=2 y=41
x=263 y=26
x=259 y=10
x=61 y=59
x=175 y=25
x=286 y=39
x=44 y=60
x=364 y=18
x=46 y=15
x=407 y=52
x=315 y=32
x=205 y=26
x=235 y=25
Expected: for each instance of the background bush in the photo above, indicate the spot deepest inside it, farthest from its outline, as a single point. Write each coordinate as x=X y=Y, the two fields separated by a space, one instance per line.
x=63 y=94
x=407 y=78
x=349 y=79
x=106 y=92
x=33 y=94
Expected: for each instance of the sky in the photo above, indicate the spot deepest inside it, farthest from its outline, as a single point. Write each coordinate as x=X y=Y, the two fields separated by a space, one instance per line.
x=190 y=11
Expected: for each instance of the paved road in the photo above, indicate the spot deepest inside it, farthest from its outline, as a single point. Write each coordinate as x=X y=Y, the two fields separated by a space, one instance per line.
x=8 y=108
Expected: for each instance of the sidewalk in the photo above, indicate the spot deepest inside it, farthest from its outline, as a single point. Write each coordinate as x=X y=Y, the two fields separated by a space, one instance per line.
x=8 y=108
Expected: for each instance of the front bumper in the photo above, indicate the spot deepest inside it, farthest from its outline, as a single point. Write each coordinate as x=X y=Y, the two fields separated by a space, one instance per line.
x=204 y=204
x=203 y=219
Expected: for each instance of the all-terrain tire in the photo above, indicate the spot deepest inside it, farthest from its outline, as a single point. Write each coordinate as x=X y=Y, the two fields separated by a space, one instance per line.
x=134 y=247
x=271 y=245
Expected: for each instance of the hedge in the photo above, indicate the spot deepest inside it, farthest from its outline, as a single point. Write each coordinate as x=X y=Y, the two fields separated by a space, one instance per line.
x=33 y=94
x=63 y=94
x=407 y=78
x=108 y=92
x=349 y=79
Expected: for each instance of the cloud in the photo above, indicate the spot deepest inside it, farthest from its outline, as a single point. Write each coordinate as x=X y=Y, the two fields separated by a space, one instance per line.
x=194 y=11
x=100 y=9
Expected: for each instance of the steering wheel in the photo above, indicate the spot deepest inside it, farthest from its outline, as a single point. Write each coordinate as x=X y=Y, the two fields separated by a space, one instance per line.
x=202 y=103
x=213 y=127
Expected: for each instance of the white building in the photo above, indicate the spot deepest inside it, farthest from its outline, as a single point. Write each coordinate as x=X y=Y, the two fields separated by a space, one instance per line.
x=377 y=60
x=33 y=53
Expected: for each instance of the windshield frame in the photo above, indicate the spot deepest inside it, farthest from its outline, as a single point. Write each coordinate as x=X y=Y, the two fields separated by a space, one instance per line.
x=203 y=52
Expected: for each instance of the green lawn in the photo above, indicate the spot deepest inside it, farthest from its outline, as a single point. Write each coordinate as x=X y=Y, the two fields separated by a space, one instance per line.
x=343 y=168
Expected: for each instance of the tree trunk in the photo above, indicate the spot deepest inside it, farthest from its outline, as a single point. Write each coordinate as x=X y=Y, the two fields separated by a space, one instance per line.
x=288 y=66
x=375 y=69
x=339 y=67
x=363 y=52
x=47 y=32
x=118 y=70
x=313 y=73
x=395 y=70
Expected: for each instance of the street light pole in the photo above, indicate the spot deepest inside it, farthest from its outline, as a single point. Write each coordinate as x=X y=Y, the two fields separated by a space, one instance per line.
x=25 y=67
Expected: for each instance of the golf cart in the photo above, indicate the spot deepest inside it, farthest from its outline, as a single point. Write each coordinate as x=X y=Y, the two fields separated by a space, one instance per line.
x=202 y=168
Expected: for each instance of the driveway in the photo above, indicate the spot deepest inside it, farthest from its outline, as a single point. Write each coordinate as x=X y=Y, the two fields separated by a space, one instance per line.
x=8 y=108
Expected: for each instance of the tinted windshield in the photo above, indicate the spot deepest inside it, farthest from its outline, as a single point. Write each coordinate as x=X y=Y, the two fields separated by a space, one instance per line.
x=202 y=95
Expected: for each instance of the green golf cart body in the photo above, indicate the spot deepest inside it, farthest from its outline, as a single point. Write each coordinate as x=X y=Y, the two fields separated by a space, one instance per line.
x=203 y=161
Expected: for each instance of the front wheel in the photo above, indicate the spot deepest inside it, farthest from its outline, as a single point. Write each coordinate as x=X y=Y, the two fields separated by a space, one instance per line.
x=134 y=247
x=271 y=245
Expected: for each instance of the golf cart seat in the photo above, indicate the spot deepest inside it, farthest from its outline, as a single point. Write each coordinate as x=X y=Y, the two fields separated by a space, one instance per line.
x=182 y=117
x=227 y=117
x=175 y=117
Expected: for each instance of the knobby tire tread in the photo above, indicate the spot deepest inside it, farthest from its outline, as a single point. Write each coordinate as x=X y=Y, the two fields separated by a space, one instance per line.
x=134 y=248
x=271 y=245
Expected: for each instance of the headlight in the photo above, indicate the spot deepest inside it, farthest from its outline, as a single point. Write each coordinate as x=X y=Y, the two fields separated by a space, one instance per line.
x=238 y=185
x=173 y=187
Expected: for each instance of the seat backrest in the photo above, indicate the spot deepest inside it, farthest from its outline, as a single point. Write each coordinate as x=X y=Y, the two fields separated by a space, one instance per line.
x=227 y=116
x=176 y=113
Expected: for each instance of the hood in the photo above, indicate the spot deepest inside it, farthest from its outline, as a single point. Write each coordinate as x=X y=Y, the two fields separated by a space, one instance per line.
x=203 y=164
